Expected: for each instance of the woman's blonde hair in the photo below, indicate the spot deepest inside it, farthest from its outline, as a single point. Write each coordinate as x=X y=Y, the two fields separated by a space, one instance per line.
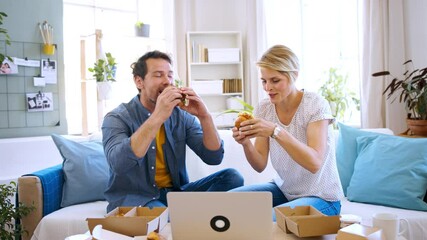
x=281 y=58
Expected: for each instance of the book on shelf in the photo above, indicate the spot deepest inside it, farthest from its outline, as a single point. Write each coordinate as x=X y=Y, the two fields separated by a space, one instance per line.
x=233 y=85
x=198 y=52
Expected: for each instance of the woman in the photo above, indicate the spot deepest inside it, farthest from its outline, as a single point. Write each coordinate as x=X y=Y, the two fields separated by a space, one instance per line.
x=294 y=128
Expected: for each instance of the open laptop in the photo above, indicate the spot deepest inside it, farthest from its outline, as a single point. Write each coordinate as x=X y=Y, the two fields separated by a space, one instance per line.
x=220 y=215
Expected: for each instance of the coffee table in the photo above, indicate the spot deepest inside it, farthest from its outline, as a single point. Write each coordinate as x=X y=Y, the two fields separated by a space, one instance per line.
x=278 y=234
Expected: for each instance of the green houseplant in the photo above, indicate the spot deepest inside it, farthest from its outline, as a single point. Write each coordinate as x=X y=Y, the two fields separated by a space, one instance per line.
x=6 y=37
x=9 y=212
x=339 y=96
x=104 y=71
x=412 y=91
x=246 y=107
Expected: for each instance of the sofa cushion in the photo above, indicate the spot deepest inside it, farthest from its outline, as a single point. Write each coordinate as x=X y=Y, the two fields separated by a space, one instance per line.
x=346 y=152
x=390 y=171
x=85 y=169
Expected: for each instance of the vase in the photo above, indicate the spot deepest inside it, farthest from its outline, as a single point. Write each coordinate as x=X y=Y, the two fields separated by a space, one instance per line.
x=143 y=31
x=105 y=90
x=417 y=127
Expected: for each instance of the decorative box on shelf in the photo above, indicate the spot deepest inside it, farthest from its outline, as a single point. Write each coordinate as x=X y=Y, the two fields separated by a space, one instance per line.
x=207 y=86
x=223 y=55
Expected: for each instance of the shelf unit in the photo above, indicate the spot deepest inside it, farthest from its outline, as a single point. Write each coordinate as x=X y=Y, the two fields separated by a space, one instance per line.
x=215 y=71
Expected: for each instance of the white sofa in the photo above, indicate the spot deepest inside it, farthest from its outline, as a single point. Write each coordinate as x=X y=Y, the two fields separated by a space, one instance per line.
x=72 y=220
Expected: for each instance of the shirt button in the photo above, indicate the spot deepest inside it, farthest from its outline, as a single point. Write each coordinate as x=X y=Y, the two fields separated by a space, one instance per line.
x=153 y=147
x=154 y=185
x=154 y=198
x=152 y=167
x=149 y=114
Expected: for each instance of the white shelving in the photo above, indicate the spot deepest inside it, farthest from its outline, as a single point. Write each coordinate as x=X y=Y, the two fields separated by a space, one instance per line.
x=215 y=70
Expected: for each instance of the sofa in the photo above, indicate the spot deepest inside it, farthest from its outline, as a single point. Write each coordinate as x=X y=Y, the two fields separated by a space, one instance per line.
x=44 y=189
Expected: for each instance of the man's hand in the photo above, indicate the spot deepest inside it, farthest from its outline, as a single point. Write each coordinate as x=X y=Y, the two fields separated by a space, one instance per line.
x=195 y=104
x=168 y=99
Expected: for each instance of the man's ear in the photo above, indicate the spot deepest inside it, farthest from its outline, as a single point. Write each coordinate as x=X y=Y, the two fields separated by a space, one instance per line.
x=139 y=82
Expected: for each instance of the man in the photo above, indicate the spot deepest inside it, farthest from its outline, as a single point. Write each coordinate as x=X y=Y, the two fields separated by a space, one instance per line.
x=145 y=140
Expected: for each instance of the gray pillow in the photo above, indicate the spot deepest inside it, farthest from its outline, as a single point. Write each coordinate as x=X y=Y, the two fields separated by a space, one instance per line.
x=85 y=169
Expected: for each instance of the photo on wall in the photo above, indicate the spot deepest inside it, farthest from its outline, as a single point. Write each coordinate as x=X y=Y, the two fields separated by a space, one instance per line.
x=38 y=102
x=49 y=71
x=8 y=67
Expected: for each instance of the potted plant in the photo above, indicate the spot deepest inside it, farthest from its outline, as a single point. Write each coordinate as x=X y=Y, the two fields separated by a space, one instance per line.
x=6 y=37
x=9 y=213
x=412 y=90
x=142 y=29
x=336 y=92
x=104 y=71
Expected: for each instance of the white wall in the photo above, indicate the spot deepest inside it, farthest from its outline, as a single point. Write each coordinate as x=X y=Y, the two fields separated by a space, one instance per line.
x=416 y=31
x=25 y=155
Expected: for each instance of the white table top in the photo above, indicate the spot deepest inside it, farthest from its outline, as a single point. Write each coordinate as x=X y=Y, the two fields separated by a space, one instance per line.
x=278 y=234
x=166 y=234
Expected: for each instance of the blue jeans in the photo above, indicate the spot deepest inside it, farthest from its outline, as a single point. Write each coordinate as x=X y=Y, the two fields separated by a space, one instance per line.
x=220 y=181
x=279 y=199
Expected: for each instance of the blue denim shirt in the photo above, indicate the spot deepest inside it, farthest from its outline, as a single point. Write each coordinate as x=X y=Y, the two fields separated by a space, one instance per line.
x=131 y=180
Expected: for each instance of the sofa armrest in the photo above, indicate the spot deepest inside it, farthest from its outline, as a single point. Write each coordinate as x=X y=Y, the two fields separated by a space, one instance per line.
x=30 y=193
x=43 y=189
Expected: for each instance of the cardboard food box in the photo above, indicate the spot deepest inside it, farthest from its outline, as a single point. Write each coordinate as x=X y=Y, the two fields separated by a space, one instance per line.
x=306 y=221
x=132 y=221
x=360 y=232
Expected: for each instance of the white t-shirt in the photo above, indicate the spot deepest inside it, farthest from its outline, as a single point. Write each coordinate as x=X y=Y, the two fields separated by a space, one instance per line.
x=294 y=180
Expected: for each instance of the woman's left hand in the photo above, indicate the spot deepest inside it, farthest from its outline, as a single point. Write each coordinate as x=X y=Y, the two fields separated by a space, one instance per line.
x=257 y=127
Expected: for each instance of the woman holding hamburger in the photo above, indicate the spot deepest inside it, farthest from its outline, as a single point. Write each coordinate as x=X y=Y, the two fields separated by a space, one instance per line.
x=294 y=128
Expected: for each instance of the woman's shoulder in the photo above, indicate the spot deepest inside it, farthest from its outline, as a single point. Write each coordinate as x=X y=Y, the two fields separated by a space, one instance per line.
x=313 y=98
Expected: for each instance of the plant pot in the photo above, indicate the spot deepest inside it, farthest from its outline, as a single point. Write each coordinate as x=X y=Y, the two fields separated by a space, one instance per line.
x=105 y=90
x=417 y=127
x=143 y=31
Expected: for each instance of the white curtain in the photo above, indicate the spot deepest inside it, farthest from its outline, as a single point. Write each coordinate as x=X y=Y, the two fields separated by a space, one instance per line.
x=383 y=49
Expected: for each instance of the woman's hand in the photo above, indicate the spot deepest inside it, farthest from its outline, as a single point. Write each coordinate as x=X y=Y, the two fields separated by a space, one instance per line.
x=256 y=127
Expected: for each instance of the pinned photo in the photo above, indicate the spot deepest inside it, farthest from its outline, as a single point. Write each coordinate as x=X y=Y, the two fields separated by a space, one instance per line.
x=49 y=71
x=8 y=67
x=40 y=101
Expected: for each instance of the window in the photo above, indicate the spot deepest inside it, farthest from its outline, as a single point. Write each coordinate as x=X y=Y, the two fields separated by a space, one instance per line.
x=116 y=20
x=323 y=34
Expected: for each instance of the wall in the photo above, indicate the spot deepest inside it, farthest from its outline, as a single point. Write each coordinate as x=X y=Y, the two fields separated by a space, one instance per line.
x=22 y=25
x=416 y=31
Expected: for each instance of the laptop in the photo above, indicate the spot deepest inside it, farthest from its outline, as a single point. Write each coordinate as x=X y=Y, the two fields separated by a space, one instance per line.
x=220 y=215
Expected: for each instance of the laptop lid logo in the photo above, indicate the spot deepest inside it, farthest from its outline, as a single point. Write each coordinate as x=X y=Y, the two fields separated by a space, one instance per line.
x=220 y=223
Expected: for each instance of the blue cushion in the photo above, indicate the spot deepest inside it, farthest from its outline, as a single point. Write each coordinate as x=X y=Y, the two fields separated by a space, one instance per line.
x=346 y=152
x=85 y=169
x=390 y=171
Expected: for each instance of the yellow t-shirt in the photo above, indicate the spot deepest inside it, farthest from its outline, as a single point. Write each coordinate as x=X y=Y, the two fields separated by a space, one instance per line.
x=162 y=178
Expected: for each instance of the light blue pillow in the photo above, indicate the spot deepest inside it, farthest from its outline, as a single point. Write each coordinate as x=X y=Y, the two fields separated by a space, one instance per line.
x=390 y=171
x=85 y=169
x=346 y=152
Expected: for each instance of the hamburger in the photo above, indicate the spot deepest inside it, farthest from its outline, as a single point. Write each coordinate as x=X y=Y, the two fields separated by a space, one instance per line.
x=184 y=100
x=243 y=116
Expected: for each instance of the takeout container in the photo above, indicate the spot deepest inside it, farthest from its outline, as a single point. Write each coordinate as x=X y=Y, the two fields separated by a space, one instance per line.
x=306 y=221
x=360 y=232
x=132 y=221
